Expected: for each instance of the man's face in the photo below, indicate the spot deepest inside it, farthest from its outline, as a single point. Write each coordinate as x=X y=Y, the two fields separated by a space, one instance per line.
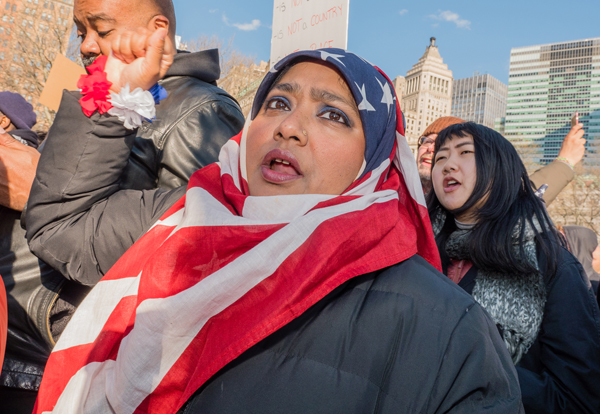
x=424 y=155
x=98 y=21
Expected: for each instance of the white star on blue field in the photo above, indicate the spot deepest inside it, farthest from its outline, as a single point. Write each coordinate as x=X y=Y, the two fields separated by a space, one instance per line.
x=471 y=35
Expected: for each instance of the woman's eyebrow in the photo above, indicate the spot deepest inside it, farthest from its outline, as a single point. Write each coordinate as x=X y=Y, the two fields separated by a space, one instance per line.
x=292 y=88
x=326 y=96
x=462 y=144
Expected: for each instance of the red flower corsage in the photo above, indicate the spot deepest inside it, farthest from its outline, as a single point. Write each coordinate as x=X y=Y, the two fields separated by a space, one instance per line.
x=95 y=88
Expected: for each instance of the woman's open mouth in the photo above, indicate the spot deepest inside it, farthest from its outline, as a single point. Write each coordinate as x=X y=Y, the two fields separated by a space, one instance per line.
x=450 y=184
x=280 y=166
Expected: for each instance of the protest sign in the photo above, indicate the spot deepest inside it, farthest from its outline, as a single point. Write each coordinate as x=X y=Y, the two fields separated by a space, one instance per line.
x=308 y=25
x=64 y=75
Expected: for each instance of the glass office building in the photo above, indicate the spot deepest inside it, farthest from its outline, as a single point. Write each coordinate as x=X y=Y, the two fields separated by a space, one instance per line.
x=547 y=84
x=480 y=98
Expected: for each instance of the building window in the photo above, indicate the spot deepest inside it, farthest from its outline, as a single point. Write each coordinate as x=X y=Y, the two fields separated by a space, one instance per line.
x=7 y=7
x=14 y=7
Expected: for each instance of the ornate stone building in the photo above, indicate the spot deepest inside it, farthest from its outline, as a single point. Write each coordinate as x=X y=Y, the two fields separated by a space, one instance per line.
x=427 y=93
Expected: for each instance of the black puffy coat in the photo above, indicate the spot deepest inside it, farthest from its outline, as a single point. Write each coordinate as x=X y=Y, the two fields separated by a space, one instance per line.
x=400 y=340
x=561 y=371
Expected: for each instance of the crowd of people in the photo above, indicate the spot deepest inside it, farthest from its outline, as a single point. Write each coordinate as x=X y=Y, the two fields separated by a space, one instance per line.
x=162 y=254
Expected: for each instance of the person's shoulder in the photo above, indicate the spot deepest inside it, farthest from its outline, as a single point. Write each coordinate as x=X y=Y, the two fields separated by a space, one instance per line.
x=416 y=279
x=569 y=271
x=192 y=92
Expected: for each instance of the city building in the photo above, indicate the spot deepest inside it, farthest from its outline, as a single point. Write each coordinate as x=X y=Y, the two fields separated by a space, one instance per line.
x=500 y=125
x=399 y=84
x=32 y=33
x=480 y=98
x=547 y=85
x=243 y=81
x=427 y=93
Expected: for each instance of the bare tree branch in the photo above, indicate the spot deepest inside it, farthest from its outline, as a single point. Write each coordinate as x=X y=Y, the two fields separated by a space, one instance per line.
x=39 y=33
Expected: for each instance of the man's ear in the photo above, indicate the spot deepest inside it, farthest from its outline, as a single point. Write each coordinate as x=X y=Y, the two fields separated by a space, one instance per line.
x=161 y=22
x=5 y=122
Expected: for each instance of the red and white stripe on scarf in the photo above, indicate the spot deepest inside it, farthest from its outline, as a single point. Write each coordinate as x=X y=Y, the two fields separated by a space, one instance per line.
x=221 y=271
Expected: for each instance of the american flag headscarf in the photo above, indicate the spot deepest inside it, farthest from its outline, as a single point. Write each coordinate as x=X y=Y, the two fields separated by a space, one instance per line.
x=223 y=270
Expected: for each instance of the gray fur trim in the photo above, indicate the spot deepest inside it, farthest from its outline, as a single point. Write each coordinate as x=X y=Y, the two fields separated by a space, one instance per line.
x=515 y=302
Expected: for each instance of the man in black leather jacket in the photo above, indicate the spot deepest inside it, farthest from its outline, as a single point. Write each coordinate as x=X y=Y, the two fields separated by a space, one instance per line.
x=191 y=125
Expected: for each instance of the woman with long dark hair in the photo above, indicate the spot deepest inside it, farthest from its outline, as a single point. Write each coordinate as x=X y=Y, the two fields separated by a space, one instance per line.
x=497 y=242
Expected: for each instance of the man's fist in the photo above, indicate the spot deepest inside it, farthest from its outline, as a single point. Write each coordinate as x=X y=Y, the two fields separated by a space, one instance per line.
x=139 y=59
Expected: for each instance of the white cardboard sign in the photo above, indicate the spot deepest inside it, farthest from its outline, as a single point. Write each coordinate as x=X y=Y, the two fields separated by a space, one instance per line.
x=308 y=25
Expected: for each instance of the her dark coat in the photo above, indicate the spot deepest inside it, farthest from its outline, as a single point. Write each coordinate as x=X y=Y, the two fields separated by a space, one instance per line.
x=561 y=371
x=401 y=340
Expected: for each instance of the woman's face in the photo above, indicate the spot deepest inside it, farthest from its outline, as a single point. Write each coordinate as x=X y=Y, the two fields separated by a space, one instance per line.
x=308 y=136
x=454 y=174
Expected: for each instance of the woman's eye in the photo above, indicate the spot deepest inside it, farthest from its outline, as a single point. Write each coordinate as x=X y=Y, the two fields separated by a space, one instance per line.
x=278 y=103
x=467 y=152
x=104 y=34
x=335 y=116
x=441 y=157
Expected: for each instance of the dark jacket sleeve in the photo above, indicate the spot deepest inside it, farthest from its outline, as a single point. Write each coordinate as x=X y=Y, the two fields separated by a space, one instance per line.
x=196 y=140
x=477 y=374
x=557 y=175
x=192 y=125
x=77 y=219
x=561 y=373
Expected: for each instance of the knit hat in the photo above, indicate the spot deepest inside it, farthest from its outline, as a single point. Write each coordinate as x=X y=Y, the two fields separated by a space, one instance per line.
x=15 y=107
x=441 y=123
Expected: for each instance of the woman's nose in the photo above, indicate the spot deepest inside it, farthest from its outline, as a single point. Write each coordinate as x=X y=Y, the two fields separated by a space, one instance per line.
x=294 y=126
x=450 y=165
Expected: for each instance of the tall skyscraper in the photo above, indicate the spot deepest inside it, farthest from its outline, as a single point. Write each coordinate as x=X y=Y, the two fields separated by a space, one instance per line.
x=547 y=84
x=32 y=33
x=480 y=98
x=427 y=93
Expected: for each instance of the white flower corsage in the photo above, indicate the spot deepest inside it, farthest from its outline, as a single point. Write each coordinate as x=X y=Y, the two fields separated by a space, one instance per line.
x=132 y=107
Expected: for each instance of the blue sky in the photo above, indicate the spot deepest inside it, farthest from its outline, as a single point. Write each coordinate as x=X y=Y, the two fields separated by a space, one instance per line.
x=471 y=35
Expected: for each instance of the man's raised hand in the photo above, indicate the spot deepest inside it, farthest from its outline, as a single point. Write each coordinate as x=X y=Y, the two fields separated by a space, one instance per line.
x=139 y=59
x=573 y=146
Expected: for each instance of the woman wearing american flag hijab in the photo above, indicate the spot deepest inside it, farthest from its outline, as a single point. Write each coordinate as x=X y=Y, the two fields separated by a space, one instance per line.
x=299 y=274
